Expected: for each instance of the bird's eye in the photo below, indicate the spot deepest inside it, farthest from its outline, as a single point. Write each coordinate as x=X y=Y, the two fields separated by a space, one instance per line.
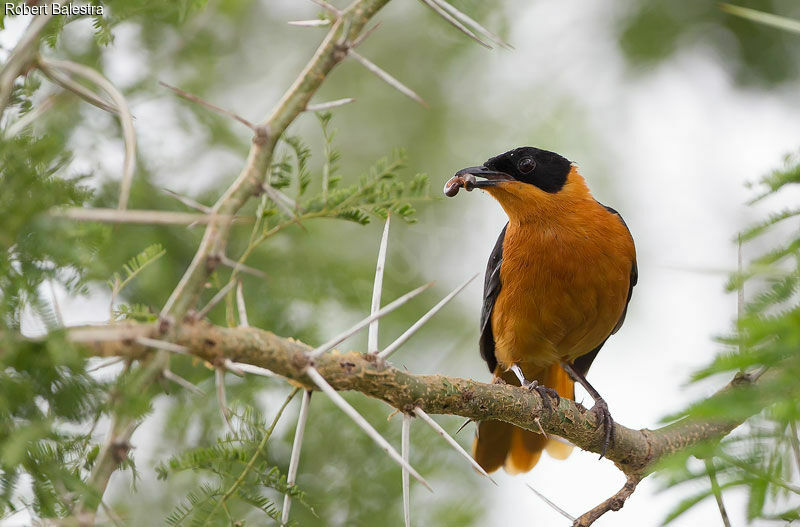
x=526 y=164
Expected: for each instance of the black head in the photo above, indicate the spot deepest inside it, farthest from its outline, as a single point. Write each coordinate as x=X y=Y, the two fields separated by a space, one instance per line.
x=541 y=168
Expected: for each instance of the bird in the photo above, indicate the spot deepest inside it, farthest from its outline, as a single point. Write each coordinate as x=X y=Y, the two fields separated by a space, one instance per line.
x=557 y=286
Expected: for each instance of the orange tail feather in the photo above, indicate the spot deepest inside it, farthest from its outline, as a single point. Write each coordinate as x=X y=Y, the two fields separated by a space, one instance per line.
x=498 y=443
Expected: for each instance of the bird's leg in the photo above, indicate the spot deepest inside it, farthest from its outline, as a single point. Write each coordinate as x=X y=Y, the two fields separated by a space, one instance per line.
x=600 y=407
x=544 y=392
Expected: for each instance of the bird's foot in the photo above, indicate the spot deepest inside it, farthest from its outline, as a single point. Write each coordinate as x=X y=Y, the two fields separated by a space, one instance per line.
x=604 y=419
x=545 y=392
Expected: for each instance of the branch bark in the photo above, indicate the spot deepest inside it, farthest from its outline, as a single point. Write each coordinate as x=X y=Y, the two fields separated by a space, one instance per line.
x=633 y=451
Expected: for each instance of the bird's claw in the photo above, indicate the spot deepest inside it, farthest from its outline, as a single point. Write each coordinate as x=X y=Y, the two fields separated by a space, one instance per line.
x=545 y=392
x=604 y=419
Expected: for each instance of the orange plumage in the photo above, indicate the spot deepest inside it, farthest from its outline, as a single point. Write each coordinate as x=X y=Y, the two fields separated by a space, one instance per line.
x=564 y=266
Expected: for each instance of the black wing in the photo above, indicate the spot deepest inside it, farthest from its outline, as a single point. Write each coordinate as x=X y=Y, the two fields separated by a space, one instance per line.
x=582 y=363
x=491 y=288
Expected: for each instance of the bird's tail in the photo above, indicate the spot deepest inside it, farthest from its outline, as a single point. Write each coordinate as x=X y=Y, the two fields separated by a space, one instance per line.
x=500 y=444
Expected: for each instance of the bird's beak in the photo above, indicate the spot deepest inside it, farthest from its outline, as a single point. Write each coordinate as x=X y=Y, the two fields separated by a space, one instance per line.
x=490 y=177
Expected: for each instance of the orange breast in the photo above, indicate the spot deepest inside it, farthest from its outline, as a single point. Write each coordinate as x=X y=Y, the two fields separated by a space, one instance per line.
x=564 y=284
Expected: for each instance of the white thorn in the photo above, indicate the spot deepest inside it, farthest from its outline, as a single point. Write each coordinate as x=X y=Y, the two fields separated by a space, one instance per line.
x=467 y=20
x=238 y=266
x=325 y=5
x=552 y=505
x=280 y=199
x=441 y=431
x=114 y=360
x=310 y=23
x=294 y=460
x=219 y=379
x=377 y=288
x=163 y=345
x=351 y=412
x=386 y=77
x=361 y=325
x=255 y=370
x=189 y=202
x=455 y=23
x=406 y=450
x=215 y=300
x=233 y=368
x=391 y=348
x=328 y=105
x=177 y=379
x=243 y=323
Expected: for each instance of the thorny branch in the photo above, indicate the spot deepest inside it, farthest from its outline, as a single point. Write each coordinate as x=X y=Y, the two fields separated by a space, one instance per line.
x=633 y=451
x=249 y=183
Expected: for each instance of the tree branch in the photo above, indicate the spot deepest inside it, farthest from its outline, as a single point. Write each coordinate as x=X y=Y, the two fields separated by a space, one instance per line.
x=633 y=451
x=249 y=183
x=251 y=179
x=21 y=57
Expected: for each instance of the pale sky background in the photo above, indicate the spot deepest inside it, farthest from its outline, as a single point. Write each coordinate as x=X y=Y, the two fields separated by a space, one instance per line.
x=679 y=141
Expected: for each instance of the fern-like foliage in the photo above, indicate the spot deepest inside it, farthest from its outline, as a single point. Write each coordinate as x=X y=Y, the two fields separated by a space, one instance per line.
x=131 y=270
x=241 y=471
x=381 y=190
x=763 y=457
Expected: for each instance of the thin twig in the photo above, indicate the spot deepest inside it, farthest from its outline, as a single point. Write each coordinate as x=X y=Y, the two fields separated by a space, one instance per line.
x=128 y=132
x=351 y=412
x=66 y=82
x=614 y=503
x=189 y=202
x=377 y=288
x=242 y=308
x=215 y=300
x=394 y=346
x=21 y=56
x=219 y=381
x=405 y=450
x=141 y=217
x=715 y=489
x=386 y=77
x=338 y=339
x=210 y=106
x=453 y=443
x=328 y=105
x=455 y=23
x=294 y=459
